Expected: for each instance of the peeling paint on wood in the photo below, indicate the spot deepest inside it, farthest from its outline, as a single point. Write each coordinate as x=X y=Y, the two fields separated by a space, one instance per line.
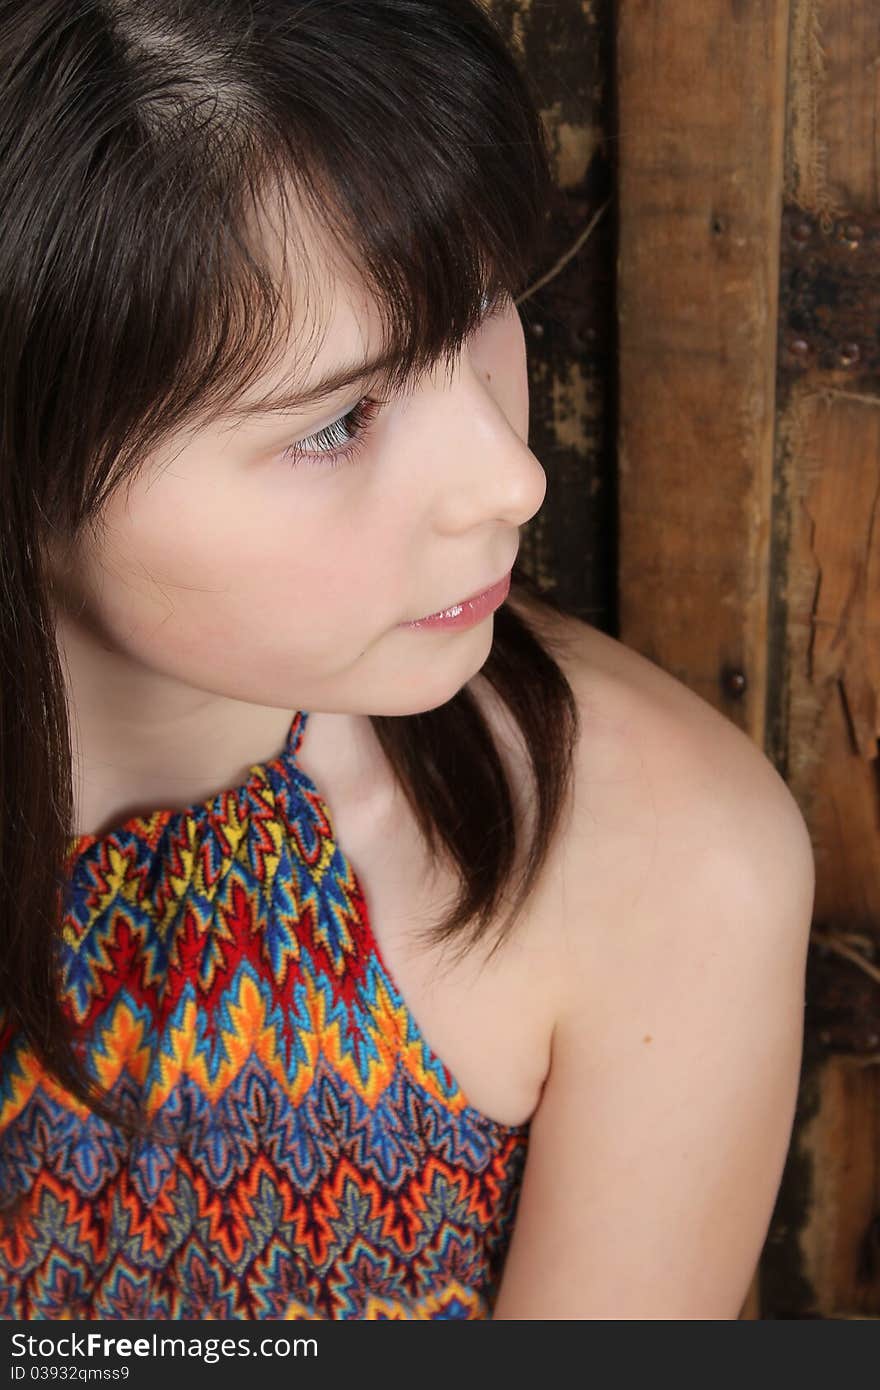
x=824 y=687
x=569 y=547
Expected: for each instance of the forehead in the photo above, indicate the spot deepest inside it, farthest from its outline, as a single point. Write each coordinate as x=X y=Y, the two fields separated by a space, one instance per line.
x=326 y=316
x=305 y=309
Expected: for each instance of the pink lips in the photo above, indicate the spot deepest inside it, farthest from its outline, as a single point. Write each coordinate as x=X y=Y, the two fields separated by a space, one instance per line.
x=469 y=611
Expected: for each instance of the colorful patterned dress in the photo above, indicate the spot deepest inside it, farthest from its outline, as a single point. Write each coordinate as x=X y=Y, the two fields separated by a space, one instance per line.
x=311 y=1156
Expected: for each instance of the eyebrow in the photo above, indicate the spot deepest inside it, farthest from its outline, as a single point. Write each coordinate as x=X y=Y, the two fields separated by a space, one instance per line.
x=379 y=369
x=293 y=400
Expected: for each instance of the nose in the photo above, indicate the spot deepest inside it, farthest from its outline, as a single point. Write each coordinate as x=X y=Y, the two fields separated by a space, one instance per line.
x=485 y=470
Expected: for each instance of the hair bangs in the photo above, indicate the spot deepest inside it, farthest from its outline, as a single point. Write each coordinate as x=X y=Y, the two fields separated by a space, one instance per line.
x=450 y=206
x=427 y=181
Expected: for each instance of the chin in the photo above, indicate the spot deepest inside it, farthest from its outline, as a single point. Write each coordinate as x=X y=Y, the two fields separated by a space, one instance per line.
x=447 y=661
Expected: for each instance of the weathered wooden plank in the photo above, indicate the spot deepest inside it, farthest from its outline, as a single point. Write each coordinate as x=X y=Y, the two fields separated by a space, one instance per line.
x=701 y=101
x=570 y=546
x=839 y=1239
x=831 y=152
x=825 y=671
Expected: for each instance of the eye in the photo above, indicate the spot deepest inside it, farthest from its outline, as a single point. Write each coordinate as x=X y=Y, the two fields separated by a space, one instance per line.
x=338 y=442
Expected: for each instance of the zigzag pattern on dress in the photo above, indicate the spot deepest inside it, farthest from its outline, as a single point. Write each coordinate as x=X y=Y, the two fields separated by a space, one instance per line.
x=310 y=1156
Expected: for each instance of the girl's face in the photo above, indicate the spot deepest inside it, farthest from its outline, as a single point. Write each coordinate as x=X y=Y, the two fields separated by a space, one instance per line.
x=246 y=562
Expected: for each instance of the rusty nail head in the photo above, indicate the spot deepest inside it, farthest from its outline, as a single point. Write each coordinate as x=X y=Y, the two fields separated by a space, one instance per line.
x=734 y=682
x=798 y=346
x=852 y=232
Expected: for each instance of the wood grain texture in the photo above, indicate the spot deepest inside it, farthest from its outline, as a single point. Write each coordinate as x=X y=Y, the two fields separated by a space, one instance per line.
x=702 y=101
x=701 y=96
x=566 y=52
x=824 y=713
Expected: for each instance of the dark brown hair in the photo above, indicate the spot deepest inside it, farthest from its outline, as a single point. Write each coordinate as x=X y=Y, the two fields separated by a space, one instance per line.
x=137 y=137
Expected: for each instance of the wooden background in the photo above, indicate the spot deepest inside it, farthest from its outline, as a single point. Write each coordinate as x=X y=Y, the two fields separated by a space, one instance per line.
x=704 y=352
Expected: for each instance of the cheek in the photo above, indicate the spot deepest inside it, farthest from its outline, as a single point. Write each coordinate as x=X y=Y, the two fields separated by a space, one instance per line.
x=195 y=583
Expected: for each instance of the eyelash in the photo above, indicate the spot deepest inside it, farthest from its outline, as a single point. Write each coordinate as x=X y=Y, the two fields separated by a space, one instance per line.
x=341 y=441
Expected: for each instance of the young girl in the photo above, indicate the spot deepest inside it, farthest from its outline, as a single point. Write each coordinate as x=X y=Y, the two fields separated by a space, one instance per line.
x=356 y=962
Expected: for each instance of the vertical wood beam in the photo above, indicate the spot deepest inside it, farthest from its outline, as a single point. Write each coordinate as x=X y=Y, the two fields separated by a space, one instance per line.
x=701 y=114
x=701 y=120
x=824 y=1259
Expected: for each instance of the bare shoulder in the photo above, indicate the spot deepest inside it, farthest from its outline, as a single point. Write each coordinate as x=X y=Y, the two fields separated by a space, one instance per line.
x=628 y=702
x=660 y=776
x=636 y=715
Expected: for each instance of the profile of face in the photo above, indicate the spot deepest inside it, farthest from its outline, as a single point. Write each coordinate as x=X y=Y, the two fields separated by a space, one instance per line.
x=248 y=562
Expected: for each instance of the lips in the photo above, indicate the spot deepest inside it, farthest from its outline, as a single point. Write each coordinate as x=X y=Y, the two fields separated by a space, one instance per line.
x=466 y=612
x=471 y=598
